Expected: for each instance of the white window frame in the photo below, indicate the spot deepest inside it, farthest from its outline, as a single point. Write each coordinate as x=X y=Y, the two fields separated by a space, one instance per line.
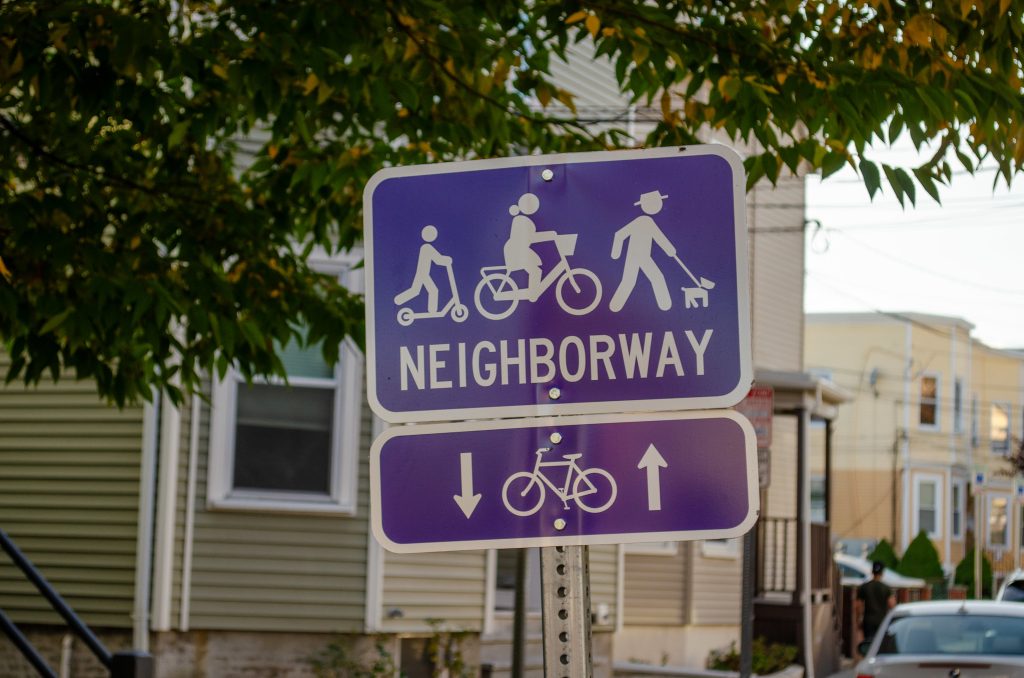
x=990 y=501
x=919 y=480
x=653 y=548
x=1005 y=446
x=936 y=401
x=345 y=439
x=960 y=485
x=720 y=548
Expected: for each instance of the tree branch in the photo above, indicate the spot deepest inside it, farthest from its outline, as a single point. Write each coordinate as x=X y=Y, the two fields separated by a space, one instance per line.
x=123 y=182
x=564 y=122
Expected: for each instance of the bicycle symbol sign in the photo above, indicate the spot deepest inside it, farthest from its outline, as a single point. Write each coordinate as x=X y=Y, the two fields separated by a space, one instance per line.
x=608 y=479
x=593 y=489
x=611 y=278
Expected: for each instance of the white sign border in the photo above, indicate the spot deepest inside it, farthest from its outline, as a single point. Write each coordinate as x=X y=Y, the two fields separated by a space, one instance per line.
x=746 y=376
x=753 y=492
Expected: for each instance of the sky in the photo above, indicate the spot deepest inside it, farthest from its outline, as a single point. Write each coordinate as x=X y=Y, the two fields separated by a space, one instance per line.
x=963 y=258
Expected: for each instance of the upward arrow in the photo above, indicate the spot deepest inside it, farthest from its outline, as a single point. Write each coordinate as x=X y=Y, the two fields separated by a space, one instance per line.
x=467 y=501
x=652 y=461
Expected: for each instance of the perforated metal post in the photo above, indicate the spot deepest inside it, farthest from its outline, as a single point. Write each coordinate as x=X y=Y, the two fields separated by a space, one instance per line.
x=565 y=577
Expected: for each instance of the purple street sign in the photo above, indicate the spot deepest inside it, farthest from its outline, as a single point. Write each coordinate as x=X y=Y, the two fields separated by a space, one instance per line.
x=591 y=479
x=563 y=284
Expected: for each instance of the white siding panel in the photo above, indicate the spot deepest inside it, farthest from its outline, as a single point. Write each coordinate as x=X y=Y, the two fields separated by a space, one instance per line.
x=446 y=589
x=656 y=591
x=604 y=567
x=716 y=589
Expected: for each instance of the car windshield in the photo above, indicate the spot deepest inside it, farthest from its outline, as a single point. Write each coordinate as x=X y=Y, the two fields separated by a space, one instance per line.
x=847 y=571
x=953 y=634
x=1014 y=591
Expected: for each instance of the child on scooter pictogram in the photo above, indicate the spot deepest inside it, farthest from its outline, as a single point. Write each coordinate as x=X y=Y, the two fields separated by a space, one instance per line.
x=429 y=256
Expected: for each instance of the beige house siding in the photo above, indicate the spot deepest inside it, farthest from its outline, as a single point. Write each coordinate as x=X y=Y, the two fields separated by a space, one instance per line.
x=868 y=358
x=267 y=571
x=775 y=219
x=884 y=360
x=862 y=504
x=69 y=491
x=656 y=590
x=716 y=590
x=604 y=571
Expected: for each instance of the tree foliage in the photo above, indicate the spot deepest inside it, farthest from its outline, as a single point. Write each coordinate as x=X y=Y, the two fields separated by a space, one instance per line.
x=883 y=552
x=168 y=166
x=921 y=559
x=964 y=575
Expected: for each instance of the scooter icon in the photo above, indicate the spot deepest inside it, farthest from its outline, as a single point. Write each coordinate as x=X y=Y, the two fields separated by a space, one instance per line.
x=458 y=311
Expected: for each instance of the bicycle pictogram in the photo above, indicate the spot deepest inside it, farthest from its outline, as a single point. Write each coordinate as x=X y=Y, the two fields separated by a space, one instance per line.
x=593 y=489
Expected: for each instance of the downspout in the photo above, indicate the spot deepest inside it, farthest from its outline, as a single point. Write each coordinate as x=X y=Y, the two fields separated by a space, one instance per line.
x=190 y=514
x=166 y=514
x=144 y=536
x=372 y=612
x=905 y=442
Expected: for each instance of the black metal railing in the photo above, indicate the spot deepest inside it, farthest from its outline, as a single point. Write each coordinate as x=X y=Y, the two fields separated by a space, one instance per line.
x=131 y=664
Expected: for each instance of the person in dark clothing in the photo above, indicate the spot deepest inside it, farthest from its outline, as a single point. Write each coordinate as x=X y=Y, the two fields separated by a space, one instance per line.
x=874 y=599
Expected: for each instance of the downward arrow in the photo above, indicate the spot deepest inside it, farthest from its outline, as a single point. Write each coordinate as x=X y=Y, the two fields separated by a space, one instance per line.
x=652 y=461
x=467 y=501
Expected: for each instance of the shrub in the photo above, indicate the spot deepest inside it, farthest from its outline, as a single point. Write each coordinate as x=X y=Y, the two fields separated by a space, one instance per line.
x=339 y=661
x=884 y=552
x=921 y=559
x=965 y=574
x=768 y=657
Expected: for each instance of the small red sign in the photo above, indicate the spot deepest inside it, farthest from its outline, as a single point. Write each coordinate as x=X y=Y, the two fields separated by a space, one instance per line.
x=758 y=407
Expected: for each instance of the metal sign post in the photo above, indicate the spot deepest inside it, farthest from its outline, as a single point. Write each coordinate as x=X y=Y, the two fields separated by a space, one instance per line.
x=565 y=581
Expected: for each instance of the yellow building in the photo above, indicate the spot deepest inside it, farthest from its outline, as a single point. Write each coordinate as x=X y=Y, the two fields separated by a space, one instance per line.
x=933 y=409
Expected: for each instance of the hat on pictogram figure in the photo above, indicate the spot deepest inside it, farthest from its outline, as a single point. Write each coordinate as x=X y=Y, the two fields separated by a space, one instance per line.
x=650 y=195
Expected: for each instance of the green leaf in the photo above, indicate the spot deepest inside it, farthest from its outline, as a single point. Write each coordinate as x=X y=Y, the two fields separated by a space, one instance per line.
x=177 y=134
x=56 y=321
x=872 y=178
x=303 y=128
x=928 y=184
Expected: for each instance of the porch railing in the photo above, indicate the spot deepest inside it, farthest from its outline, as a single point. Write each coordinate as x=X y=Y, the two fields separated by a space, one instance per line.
x=131 y=664
x=777 y=558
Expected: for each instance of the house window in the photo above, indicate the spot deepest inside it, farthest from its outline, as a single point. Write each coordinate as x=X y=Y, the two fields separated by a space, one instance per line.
x=505 y=579
x=956 y=516
x=999 y=427
x=653 y=548
x=720 y=548
x=928 y=416
x=289 y=446
x=958 y=406
x=1020 y=522
x=817 y=499
x=927 y=505
x=975 y=425
x=997 y=523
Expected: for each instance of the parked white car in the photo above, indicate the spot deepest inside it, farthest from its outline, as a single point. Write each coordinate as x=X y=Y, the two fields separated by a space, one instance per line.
x=855 y=571
x=1012 y=590
x=966 y=638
